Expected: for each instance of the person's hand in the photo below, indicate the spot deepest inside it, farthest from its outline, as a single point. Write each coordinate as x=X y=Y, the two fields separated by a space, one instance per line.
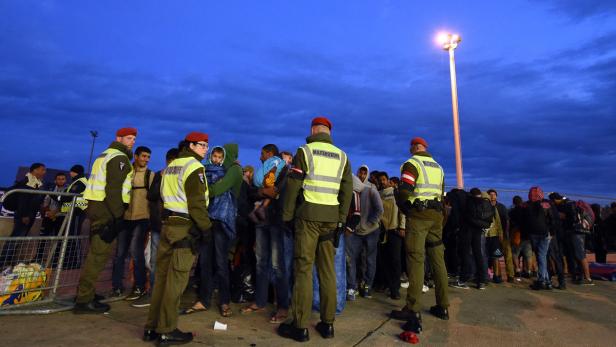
x=25 y=220
x=402 y=232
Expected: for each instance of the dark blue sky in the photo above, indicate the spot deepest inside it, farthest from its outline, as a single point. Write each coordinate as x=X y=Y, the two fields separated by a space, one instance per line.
x=537 y=82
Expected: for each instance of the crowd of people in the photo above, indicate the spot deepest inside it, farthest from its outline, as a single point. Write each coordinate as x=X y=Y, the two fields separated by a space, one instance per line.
x=252 y=231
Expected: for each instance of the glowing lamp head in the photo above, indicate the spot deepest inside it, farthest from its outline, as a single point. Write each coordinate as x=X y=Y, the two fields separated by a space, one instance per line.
x=442 y=38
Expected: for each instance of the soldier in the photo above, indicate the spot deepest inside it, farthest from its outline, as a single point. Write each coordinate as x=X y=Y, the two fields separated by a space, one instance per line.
x=108 y=193
x=421 y=195
x=184 y=193
x=321 y=178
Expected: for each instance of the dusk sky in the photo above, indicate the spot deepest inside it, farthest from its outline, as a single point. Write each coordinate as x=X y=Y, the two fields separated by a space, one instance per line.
x=536 y=82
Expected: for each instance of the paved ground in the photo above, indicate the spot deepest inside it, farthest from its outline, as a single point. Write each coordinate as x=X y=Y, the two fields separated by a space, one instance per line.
x=505 y=315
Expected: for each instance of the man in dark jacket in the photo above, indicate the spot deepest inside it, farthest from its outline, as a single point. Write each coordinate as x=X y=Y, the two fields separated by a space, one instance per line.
x=537 y=218
x=477 y=218
x=28 y=205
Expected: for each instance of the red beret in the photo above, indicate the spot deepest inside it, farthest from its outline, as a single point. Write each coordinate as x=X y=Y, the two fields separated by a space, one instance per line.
x=196 y=136
x=419 y=141
x=126 y=131
x=322 y=121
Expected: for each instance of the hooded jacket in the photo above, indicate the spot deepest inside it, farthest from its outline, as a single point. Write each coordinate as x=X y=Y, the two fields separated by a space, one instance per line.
x=371 y=208
x=233 y=173
x=392 y=218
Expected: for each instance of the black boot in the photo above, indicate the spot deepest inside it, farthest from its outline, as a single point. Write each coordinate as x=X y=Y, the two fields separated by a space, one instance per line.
x=440 y=312
x=91 y=307
x=404 y=314
x=291 y=332
x=150 y=335
x=413 y=324
x=175 y=337
x=326 y=330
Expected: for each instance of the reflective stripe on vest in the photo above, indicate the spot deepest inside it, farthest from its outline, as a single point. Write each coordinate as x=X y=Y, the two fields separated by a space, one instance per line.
x=95 y=189
x=80 y=202
x=172 y=189
x=325 y=167
x=429 y=184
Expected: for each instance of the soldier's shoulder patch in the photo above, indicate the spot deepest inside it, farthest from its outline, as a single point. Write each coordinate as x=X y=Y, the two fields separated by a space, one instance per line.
x=201 y=177
x=122 y=165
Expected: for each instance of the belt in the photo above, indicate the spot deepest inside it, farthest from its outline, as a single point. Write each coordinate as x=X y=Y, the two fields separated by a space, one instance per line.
x=170 y=213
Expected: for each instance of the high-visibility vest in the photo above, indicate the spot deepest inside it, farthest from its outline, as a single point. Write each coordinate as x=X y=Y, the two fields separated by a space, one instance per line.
x=80 y=202
x=325 y=167
x=172 y=189
x=429 y=184
x=95 y=189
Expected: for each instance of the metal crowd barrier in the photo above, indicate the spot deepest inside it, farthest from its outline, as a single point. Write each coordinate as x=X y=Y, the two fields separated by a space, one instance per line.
x=40 y=273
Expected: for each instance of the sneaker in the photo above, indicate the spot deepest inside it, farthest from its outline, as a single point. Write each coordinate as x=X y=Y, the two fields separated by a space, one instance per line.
x=459 y=285
x=481 y=286
x=537 y=285
x=526 y=274
x=404 y=278
x=143 y=301
x=365 y=292
x=136 y=294
x=116 y=293
x=497 y=279
x=425 y=289
x=404 y=284
x=351 y=295
x=588 y=282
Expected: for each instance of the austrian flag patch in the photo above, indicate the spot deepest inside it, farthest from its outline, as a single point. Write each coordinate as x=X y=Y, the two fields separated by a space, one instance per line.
x=408 y=178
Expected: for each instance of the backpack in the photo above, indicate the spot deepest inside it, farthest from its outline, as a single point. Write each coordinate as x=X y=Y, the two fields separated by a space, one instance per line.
x=537 y=218
x=480 y=213
x=584 y=218
x=11 y=202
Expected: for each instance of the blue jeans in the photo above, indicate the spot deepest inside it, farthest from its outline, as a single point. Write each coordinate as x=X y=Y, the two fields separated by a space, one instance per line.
x=540 y=247
x=273 y=250
x=131 y=241
x=154 y=241
x=353 y=247
x=214 y=266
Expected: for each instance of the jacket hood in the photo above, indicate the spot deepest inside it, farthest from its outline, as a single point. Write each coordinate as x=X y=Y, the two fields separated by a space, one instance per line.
x=368 y=171
x=358 y=185
x=209 y=155
x=231 y=151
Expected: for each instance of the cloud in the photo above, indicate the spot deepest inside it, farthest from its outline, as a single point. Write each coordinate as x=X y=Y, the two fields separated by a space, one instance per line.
x=547 y=122
x=579 y=10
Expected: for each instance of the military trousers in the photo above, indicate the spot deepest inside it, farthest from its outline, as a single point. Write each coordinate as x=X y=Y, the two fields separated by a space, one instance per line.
x=96 y=260
x=307 y=251
x=172 y=273
x=424 y=231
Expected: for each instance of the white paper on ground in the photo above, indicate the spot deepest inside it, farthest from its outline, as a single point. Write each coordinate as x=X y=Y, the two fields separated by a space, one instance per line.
x=220 y=326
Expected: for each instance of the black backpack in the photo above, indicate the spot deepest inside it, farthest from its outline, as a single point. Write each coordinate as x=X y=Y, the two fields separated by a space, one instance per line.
x=11 y=202
x=480 y=213
x=537 y=219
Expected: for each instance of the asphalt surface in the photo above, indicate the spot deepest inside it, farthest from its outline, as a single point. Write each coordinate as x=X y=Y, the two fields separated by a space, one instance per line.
x=503 y=315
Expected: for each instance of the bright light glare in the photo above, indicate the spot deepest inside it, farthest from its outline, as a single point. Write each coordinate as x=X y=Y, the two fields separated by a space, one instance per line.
x=442 y=38
x=455 y=38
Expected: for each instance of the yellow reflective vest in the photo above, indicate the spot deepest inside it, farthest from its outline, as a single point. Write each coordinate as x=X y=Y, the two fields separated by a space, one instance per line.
x=429 y=184
x=325 y=164
x=80 y=202
x=95 y=189
x=172 y=188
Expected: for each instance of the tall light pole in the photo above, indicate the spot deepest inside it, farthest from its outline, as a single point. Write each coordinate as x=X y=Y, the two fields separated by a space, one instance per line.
x=450 y=42
x=94 y=135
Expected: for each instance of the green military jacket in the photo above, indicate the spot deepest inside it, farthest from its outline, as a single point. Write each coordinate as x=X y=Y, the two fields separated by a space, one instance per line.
x=294 y=204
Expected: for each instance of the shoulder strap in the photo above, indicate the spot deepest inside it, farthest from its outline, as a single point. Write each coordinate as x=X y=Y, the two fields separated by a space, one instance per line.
x=146 y=181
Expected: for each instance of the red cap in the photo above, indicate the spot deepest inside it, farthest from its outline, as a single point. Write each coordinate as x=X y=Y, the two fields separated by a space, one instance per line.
x=419 y=141
x=126 y=131
x=196 y=136
x=322 y=121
